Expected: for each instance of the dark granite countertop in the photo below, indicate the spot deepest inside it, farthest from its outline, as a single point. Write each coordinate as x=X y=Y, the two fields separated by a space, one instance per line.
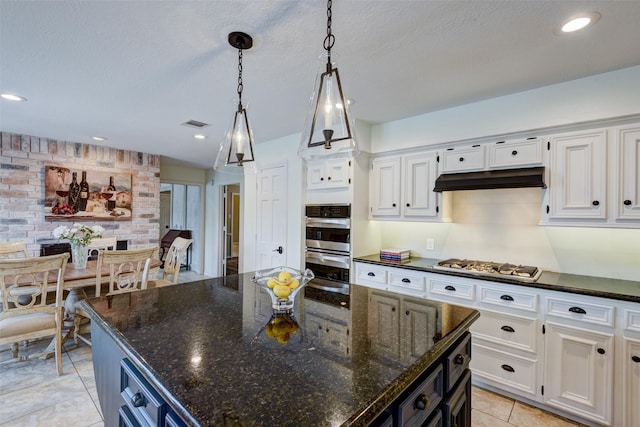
x=624 y=290
x=204 y=346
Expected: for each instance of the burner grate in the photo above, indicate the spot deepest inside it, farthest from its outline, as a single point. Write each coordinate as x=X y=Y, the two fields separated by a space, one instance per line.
x=489 y=268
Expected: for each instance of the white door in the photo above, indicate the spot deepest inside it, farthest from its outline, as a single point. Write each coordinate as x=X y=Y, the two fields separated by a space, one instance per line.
x=419 y=178
x=271 y=217
x=385 y=187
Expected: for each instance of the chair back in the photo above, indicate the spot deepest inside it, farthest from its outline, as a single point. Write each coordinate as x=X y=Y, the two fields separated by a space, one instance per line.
x=12 y=250
x=128 y=270
x=107 y=243
x=173 y=261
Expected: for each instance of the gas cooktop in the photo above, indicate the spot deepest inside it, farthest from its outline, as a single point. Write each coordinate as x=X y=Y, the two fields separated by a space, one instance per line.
x=487 y=268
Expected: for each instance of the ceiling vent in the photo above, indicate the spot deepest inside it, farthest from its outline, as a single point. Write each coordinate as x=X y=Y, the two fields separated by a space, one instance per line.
x=195 y=124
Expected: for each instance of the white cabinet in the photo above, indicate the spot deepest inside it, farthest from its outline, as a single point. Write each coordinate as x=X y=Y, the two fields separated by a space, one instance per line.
x=385 y=186
x=578 y=370
x=328 y=173
x=627 y=200
x=578 y=176
x=419 y=177
x=527 y=153
x=463 y=159
x=631 y=381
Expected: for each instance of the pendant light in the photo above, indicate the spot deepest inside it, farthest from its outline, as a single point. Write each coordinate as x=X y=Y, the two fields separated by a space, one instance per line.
x=328 y=130
x=236 y=150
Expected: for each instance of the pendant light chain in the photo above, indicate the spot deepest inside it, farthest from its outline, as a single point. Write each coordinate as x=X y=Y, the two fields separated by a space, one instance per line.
x=240 y=86
x=330 y=39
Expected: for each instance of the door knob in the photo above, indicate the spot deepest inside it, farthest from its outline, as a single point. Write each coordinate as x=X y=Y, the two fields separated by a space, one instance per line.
x=279 y=250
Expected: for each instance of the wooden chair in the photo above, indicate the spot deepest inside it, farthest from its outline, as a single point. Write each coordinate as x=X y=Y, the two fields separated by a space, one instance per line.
x=172 y=263
x=128 y=272
x=107 y=243
x=13 y=250
x=22 y=320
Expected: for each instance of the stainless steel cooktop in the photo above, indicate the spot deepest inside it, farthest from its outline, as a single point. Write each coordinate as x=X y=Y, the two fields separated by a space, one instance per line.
x=523 y=273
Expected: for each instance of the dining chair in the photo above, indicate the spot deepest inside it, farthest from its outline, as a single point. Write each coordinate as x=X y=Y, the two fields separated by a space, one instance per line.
x=12 y=250
x=108 y=243
x=22 y=320
x=128 y=271
x=172 y=263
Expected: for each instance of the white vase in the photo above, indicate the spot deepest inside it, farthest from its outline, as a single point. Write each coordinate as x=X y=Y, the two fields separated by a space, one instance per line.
x=79 y=256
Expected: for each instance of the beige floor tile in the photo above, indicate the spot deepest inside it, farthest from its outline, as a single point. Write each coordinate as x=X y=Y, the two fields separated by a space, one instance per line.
x=480 y=419
x=524 y=415
x=77 y=412
x=491 y=403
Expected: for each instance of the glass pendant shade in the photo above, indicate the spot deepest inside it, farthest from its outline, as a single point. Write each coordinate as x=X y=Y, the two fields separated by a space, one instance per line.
x=328 y=130
x=236 y=150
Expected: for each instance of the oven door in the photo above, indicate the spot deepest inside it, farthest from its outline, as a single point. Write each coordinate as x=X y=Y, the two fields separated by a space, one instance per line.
x=331 y=234
x=331 y=271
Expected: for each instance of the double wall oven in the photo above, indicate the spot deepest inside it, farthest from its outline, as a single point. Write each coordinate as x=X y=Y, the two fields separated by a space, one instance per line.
x=328 y=246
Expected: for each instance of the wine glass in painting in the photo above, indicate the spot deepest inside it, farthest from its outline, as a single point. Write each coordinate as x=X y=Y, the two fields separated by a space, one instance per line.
x=107 y=195
x=63 y=193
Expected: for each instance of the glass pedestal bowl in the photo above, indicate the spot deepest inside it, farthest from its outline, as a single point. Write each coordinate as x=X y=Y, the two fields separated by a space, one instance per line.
x=282 y=284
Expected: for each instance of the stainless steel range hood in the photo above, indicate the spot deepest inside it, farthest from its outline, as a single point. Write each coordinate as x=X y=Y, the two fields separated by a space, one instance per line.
x=507 y=178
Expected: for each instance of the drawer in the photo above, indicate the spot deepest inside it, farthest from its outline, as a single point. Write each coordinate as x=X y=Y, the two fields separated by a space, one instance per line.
x=631 y=320
x=508 y=330
x=521 y=301
x=456 y=362
x=407 y=282
x=460 y=292
x=505 y=370
x=463 y=159
x=173 y=420
x=371 y=275
x=142 y=400
x=126 y=418
x=525 y=153
x=582 y=312
x=436 y=419
x=423 y=400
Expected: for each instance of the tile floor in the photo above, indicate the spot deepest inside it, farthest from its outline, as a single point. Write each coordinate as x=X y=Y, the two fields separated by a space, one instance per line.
x=33 y=395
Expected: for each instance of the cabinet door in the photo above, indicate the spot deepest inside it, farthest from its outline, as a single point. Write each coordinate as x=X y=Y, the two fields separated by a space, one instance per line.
x=384 y=324
x=420 y=173
x=631 y=382
x=578 y=372
x=385 y=187
x=315 y=175
x=577 y=186
x=628 y=200
x=463 y=159
x=328 y=173
x=516 y=154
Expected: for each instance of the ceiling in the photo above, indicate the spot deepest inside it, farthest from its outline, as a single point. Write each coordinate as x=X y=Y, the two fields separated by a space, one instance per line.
x=133 y=71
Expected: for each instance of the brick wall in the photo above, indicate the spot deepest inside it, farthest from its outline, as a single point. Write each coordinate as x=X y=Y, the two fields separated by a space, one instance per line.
x=22 y=162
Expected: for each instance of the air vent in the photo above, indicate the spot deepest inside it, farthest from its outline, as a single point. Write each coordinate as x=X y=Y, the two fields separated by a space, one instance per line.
x=195 y=124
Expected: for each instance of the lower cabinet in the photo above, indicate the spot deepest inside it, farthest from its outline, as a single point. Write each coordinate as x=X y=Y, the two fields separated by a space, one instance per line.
x=457 y=408
x=631 y=381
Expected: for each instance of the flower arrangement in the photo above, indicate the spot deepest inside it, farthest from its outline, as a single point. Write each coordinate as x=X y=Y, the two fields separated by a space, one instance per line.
x=78 y=234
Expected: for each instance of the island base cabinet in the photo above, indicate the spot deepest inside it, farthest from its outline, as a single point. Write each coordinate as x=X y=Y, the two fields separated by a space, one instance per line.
x=578 y=375
x=457 y=408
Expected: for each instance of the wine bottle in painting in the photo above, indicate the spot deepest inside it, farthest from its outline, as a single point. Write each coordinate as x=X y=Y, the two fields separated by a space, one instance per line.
x=109 y=194
x=84 y=192
x=74 y=191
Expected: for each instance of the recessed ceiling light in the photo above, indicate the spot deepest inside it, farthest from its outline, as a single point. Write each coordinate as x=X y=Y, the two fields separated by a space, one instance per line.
x=13 y=97
x=578 y=22
x=98 y=138
x=199 y=136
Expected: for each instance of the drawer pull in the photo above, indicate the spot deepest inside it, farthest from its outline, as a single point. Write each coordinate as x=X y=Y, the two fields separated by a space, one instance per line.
x=595 y=203
x=635 y=359
x=514 y=153
x=508 y=328
x=371 y=274
x=508 y=368
x=461 y=159
x=578 y=310
x=405 y=280
x=422 y=402
x=627 y=202
x=450 y=288
x=506 y=297
x=459 y=359
x=601 y=351
x=138 y=400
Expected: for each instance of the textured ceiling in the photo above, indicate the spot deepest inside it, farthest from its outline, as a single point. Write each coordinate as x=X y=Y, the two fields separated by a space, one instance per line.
x=133 y=71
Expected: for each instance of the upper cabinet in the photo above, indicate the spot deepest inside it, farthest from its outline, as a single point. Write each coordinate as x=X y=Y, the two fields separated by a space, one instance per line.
x=328 y=173
x=627 y=198
x=463 y=159
x=401 y=187
x=519 y=153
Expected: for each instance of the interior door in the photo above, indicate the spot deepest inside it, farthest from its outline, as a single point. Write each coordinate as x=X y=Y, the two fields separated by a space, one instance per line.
x=165 y=212
x=272 y=214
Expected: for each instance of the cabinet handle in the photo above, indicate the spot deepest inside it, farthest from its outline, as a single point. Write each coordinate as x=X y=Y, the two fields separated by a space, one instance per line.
x=393 y=204
x=635 y=359
x=514 y=153
x=595 y=203
x=627 y=202
x=328 y=178
x=459 y=359
x=507 y=328
x=405 y=280
x=371 y=274
x=408 y=205
x=138 y=400
x=422 y=402
x=461 y=159
x=508 y=368
x=450 y=288
x=601 y=351
x=321 y=178
x=506 y=297
x=578 y=310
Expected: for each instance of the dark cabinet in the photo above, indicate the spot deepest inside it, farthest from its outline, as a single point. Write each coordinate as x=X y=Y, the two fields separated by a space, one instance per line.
x=457 y=408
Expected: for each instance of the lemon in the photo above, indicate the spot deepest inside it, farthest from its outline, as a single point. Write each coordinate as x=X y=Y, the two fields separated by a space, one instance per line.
x=271 y=283
x=294 y=283
x=281 y=291
x=284 y=277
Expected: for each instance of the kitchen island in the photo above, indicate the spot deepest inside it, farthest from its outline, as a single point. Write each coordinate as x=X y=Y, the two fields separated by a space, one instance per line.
x=199 y=354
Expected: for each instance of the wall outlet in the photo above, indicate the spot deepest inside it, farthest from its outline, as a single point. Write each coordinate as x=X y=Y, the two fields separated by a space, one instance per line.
x=430 y=244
